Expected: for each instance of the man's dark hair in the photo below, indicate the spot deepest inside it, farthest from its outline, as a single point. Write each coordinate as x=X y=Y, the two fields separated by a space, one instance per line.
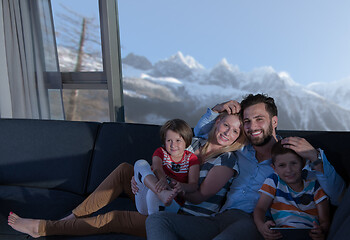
x=251 y=100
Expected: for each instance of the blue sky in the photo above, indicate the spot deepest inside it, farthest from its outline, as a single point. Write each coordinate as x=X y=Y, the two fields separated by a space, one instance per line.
x=310 y=40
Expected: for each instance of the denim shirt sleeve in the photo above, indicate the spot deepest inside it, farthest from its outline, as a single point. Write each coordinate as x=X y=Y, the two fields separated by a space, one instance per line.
x=331 y=182
x=205 y=124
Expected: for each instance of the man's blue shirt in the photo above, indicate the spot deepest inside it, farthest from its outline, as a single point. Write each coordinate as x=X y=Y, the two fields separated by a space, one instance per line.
x=244 y=189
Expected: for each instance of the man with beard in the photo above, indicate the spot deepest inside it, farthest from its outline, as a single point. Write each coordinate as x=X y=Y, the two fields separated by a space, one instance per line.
x=235 y=221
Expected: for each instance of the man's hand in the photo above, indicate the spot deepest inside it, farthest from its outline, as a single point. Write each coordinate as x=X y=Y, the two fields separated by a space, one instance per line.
x=303 y=148
x=231 y=107
x=162 y=184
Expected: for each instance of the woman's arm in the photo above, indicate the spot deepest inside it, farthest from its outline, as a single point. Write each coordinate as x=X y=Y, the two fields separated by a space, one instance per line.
x=192 y=184
x=215 y=180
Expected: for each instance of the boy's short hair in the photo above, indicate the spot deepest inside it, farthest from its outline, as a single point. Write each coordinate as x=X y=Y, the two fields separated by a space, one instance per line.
x=179 y=126
x=278 y=149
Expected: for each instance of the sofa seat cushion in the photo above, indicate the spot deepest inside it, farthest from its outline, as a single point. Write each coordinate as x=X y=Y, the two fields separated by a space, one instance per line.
x=35 y=203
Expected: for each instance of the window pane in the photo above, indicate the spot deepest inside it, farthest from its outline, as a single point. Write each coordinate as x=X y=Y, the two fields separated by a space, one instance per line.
x=180 y=57
x=78 y=40
x=86 y=105
x=78 y=35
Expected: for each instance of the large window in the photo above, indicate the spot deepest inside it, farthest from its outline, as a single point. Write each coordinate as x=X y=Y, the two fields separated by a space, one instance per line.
x=180 y=57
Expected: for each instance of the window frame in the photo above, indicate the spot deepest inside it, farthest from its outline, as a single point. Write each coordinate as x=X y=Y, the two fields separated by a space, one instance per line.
x=111 y=77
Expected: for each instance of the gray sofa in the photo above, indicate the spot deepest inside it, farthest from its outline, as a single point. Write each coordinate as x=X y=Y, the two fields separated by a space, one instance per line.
x=48 y=167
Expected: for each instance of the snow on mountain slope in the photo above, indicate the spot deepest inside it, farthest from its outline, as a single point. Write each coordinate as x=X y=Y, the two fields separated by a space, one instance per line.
x=337 y=92
x=299 y=107
x=181 y=87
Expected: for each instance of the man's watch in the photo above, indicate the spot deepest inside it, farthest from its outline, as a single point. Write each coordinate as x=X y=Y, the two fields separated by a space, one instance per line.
x=318 y=161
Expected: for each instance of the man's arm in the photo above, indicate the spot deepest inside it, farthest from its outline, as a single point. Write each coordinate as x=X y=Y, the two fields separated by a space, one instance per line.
x=207 y=121
x=331 y=182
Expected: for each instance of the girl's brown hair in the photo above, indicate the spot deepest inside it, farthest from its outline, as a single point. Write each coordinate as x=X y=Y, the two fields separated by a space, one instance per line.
x=180 y=127
x=238 y=144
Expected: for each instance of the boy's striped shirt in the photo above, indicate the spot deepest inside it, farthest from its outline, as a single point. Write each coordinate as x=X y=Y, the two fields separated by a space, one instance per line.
x=290 y=208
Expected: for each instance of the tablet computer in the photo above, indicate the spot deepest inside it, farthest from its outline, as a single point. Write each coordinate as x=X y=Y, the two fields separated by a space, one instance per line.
x=293 y=233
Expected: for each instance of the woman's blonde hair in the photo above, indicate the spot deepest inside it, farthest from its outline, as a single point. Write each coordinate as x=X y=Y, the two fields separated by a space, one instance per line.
x=238 y=144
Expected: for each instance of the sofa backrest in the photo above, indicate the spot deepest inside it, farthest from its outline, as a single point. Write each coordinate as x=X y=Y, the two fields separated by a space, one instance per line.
x=46 y=153
x=121 y=142
x=334 y=144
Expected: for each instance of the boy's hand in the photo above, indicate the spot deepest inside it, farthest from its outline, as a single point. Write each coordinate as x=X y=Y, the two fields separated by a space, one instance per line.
x=162 y=184
x=268 y=233
x=134 y=187
x=317 y=233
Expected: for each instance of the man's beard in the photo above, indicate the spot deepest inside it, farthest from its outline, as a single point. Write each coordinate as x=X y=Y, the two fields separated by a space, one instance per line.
x=264 y=140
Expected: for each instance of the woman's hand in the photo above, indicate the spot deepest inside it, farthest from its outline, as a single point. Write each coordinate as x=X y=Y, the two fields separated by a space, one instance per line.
x=134 y=187
x=162 y=184
x=178 y=187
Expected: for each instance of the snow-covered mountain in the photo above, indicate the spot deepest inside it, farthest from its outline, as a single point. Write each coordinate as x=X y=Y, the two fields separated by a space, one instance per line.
x=190 y=89
x=180 y=87
x=336 y=92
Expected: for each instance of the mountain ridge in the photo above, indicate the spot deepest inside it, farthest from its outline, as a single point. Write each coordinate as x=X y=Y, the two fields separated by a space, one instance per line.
x=179 y=86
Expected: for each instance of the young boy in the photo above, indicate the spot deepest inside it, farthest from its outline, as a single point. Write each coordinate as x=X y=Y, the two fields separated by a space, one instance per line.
x=294 y=202
x=174 y=170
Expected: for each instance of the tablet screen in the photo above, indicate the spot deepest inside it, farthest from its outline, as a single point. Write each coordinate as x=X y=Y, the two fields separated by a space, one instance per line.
x=294 y=233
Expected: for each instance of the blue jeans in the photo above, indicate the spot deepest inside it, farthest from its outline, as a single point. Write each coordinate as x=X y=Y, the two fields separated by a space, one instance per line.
x=231 y=224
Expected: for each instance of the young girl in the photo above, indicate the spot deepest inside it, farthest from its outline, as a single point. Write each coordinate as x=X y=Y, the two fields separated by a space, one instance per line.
x=294 y=202
x=175 y=170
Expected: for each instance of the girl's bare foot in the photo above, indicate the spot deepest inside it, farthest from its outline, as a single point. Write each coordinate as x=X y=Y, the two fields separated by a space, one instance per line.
x=167 y=196
x=24 y=225
x=70 y=216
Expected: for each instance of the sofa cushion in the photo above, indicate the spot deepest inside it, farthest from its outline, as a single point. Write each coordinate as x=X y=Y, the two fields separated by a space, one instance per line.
x=121 y=142
x=46 y=153
x=35 y=203
x=49 y=204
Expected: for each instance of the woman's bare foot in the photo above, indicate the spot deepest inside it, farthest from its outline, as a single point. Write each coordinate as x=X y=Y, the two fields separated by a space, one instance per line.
x=24 y=225
x=70 y=216
x=167 y=196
